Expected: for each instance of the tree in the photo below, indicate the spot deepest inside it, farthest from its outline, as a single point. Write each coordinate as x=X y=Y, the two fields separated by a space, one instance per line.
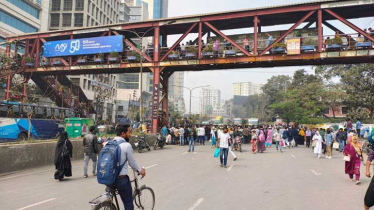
x=357 y=82
x=334 y=97
x=274 y=85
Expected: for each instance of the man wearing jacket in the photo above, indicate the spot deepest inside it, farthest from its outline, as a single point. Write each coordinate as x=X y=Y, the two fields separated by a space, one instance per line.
x=90 y=150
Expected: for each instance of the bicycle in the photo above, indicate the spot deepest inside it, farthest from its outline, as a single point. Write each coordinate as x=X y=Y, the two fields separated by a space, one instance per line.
x=140 y=196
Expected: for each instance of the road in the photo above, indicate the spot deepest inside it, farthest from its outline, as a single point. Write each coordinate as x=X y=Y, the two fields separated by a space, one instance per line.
x=292 y=180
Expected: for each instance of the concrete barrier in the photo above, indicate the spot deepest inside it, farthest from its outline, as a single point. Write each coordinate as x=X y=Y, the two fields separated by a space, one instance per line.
x=18 y=157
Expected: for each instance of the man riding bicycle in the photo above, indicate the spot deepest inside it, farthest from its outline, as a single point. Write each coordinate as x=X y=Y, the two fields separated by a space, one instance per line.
x=123 y=183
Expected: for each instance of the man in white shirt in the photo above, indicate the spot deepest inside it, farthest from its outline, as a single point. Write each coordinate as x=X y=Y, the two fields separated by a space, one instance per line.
x=181 y=136
x=201 y=135
x=224 y=142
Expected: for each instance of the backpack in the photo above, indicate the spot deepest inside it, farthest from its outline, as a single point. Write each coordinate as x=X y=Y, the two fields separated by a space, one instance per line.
x=344 y=136
x=284 y=135
x=108 y=164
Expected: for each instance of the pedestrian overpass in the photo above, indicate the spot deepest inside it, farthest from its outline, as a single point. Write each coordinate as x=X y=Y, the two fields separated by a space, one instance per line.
x=115 y=48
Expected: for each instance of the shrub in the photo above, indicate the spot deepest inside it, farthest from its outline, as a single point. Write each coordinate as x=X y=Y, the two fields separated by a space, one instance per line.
x=208 y=48
x=113 y=54
x=29 y=59
x=279 y=45
x=191 y=49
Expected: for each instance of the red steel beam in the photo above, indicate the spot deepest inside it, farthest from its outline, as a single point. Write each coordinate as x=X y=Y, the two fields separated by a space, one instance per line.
x=308 y=25
x=351 y=25
x=200 y=37
x=33 y=48
x=255 y=39
x=178 y=41
x=320 y=32
x=261 y=12
x=228 y=39
x=156 y=45
x=137 y=50
x=289 y=31
x=37 y=52
x=71 y=57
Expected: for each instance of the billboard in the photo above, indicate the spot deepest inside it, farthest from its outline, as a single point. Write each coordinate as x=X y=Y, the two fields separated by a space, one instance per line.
x=86 y=46
x=293 y=46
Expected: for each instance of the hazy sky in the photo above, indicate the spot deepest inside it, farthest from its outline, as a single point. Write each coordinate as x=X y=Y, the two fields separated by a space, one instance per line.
x=224 y=79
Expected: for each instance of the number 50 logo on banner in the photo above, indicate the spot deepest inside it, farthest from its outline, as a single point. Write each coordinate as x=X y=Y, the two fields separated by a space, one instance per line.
x=293 y=46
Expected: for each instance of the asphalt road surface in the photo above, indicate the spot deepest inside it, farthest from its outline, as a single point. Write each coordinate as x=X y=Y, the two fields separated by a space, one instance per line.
x=292 y=180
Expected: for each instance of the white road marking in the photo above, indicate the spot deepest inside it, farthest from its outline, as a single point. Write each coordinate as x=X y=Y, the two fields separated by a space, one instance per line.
x=229 y=169
x=195 y=153
x=26 y=207
x=198 y=202
x=31 y=173
x=151 y=166
x=293 y=156
x=185 y=153
x=317 y=174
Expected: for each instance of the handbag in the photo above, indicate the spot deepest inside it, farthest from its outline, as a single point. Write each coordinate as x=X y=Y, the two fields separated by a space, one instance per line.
x=347 y=158
x=314 y=143
x=335 y=145
x=282 y=143
x=65 y=151
x=216 y=153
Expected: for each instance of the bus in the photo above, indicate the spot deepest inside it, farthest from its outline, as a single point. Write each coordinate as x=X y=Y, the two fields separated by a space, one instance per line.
x=46 y=122
x=253 y=121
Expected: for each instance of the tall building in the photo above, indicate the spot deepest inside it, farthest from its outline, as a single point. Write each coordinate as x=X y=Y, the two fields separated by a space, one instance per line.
x=175 y=92
x=210 y=99
x=82 y=13
x=66 y=14
x=18 y=17
x=246 y=89
x=157 y=8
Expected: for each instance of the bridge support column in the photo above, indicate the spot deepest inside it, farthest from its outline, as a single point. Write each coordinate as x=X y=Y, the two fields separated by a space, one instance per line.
x=156 y=79
x=319 y=25
x=155 y=99
x=164 y=101
x=199 y=41
x=255 y=41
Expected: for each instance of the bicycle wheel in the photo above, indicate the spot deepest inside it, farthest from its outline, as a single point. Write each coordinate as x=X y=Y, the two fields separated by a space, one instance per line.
x=145 y=200
x=107 y=205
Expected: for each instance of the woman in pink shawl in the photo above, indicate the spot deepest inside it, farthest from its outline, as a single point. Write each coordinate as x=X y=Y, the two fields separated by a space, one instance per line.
x=261 y=142
x=269 y=138
x=352 y=167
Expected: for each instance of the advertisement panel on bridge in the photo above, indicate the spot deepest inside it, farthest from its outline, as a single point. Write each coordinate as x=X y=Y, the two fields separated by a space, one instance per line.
x=86 y=46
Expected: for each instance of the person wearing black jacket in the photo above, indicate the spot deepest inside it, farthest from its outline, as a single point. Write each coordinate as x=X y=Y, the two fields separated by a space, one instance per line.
x=186 y=134
x=91 y=150
x=63 y=153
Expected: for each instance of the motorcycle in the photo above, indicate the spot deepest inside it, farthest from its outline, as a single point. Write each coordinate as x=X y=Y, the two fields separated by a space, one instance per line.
x=160 y=141
x=238 y=143
x=141 y=144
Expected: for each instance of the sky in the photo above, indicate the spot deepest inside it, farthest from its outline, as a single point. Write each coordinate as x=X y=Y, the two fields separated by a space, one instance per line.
x=224 y=79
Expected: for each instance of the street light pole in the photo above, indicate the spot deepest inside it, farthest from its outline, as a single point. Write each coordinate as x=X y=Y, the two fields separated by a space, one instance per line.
x=191 y=89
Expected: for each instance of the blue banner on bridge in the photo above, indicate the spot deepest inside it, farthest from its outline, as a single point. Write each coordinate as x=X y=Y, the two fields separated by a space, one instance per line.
x=96 y=45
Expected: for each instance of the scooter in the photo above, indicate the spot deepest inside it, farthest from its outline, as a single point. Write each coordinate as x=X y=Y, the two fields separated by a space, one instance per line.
x=238 y=143
x=160 y=141
x=141 y=144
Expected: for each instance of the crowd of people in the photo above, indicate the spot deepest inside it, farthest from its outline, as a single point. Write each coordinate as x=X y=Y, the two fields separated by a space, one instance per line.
x=260 y=138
